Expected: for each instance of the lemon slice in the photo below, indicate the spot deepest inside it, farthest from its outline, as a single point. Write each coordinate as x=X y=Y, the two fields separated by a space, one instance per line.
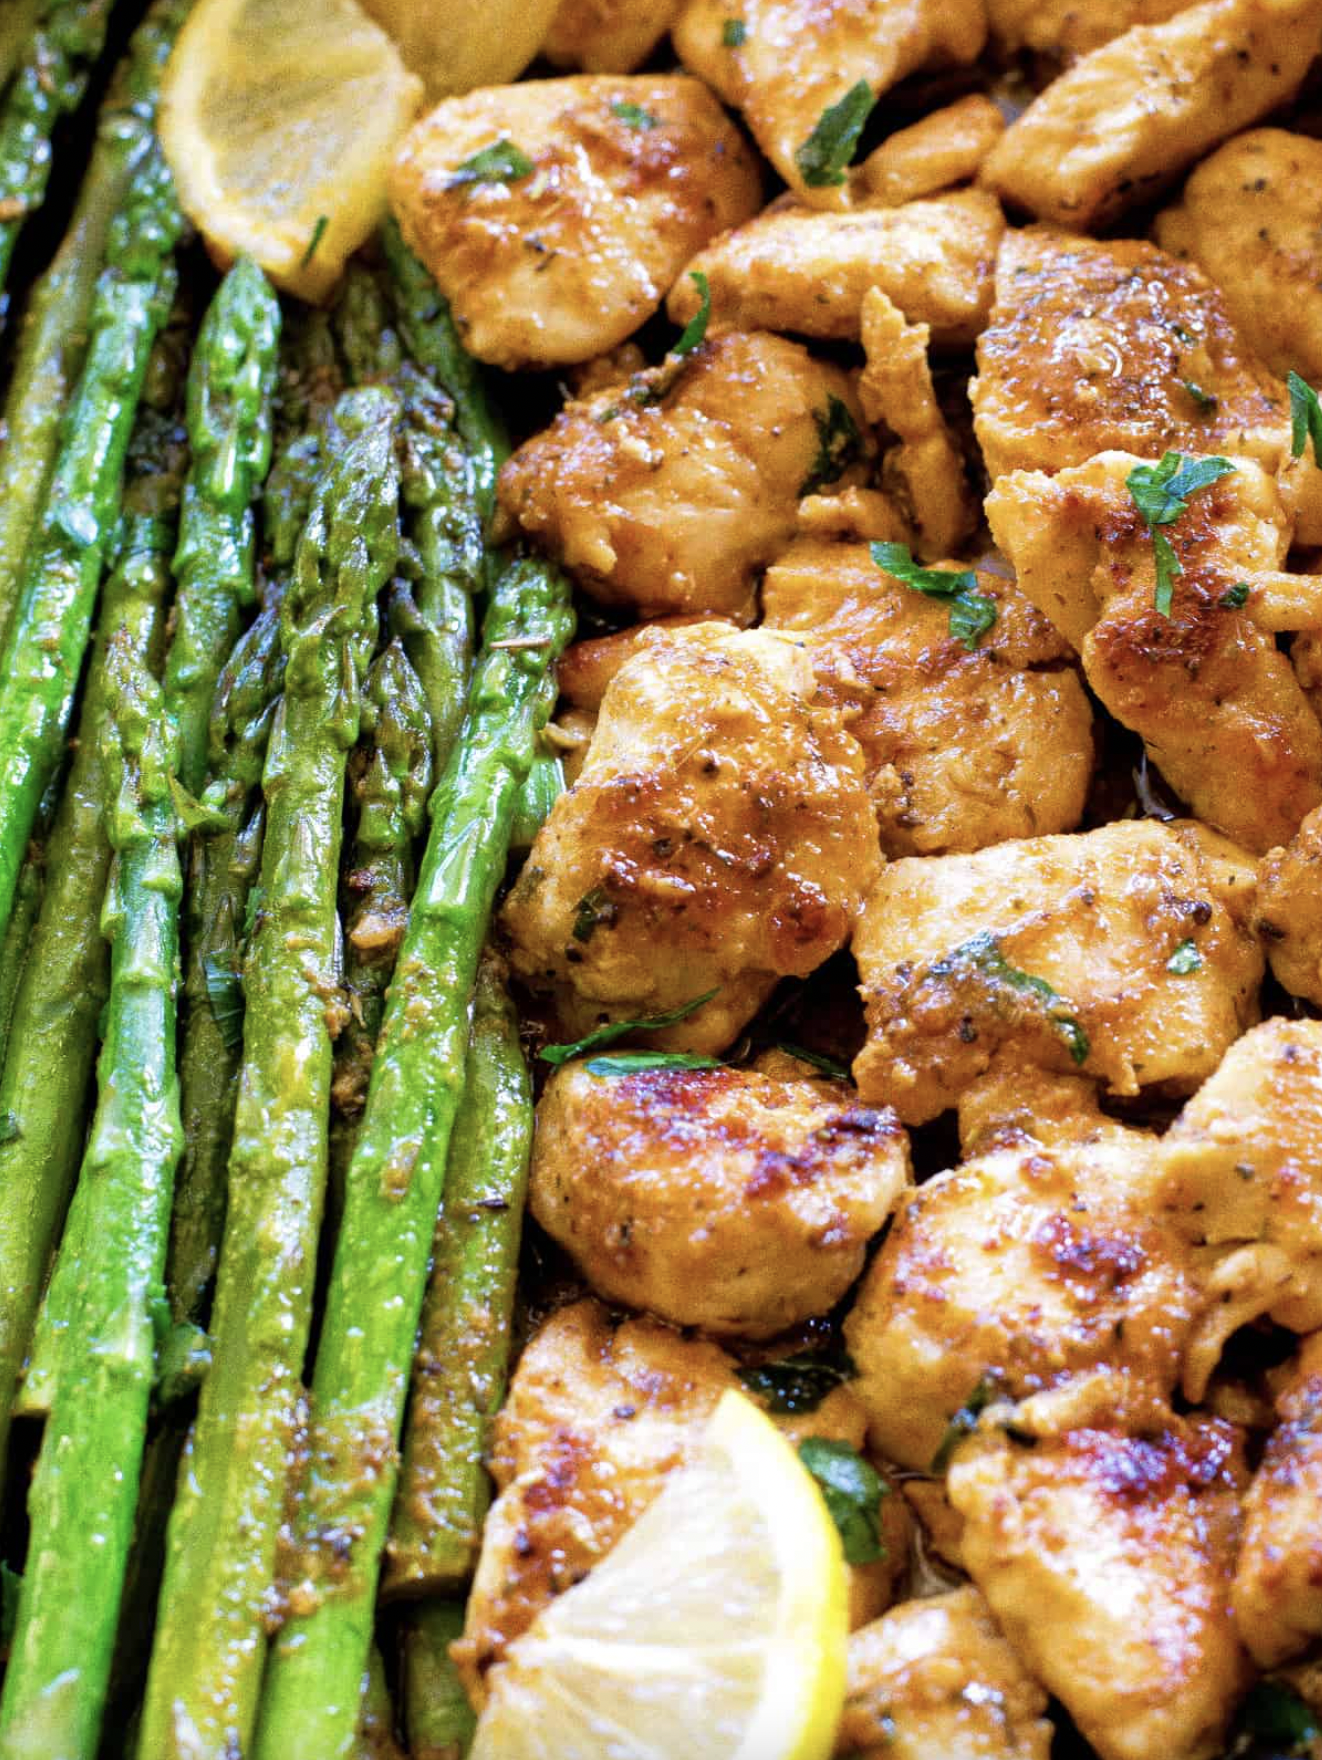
x=279 y=119
x=715 y=1629
x=458 y=44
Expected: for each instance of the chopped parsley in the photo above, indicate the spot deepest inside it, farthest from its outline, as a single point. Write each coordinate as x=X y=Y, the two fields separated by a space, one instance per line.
x=964 y=1423
x=318 y=233
x=627 y=1063
x=1305 y=418
x=971 y=614
x=852 y=1491
x=634 y=114
x=824 y=156
x=607 y=1035
x=225 y=994
x=694 y=332
x=984 y=953
x=502 y=162
x=800 y=1383
x=1235 y=596
x=1186 y=960
x=734 y=33
x=1207 y=403
x=1160 y=492
x=595 y=908
x=839 y=444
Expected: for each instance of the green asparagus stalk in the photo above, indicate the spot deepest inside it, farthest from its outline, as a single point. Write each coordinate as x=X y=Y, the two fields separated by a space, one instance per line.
x=44 y=647
x=18 y=936
x=17 y=22
x=545 y=785
x=463 y=1351
x=367 y=341
x=206 y=1664
x=375 y=1739
x=53 y=340
x=437 y=1715
x=230 y=387
x=84 y=1492
x=379 y=1274
x=48 y=83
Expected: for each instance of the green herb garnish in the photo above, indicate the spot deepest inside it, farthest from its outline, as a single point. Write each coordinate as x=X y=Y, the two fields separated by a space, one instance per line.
x=627 y=1063
x=984 y=952
x=693 y=333
x=971 y=613
x=594 y=909
x=1305 y=418
x=634 y=114
x=1160 y=493
x=734 y=33
x=799 y=1383
x=839 y=444
x=318 y=233
x=1206 y=402
x=823 y=157
x=829 y=1066
x=964 y=1422
x=225 y=994
x=1185 y=960
x=609 y=1034
x=501 y=162
x=852 y=1491
x=1235 y=596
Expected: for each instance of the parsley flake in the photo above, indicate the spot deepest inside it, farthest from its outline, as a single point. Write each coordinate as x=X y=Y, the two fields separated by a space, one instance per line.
x=634 y=114
x=318 y=233
x=823 y=157
x=971 y=614
x=1160 y=492
x=607 y=1035
x=852 y=1491
x=964 y=1422
x=983 y=952
x=225 y=994
x=1235 y=596
x=595 y=908
x=801 y=1382
x=693 y=333
x=627 y=1063
x=1305 y=418
x=1207 y=403
x=734 y=33
x=1185 y=960
x=839 y=444
x=502 y=162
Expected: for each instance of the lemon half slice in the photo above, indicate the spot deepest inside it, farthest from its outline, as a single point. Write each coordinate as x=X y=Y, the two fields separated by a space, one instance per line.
x=279 y=119
x=459 y=44
x=715 y=1630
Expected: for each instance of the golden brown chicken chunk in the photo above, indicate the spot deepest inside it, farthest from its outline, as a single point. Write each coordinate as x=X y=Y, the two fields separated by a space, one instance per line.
x=717 y=1198
x=1067 y=29
x=719 y=837
x=793 y=268
x=598 y=1414
x=792 y=60
x=1289 y=910
x=554 y=214
x=1127 y=118
x=1217 y=704
x=1251 y=218
x=668 y=493
x=1028 y=1264
x=1106 y=1560
x=944 y=149
x=1277 y=1594
x=607 y=36
x=1061 y=949
x=962 y=747
x=936 y=1680
x=1111 y=344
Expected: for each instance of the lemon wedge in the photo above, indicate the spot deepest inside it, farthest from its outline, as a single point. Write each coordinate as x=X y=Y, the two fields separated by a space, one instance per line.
x=715 y=1629
x=458 y=44
x=279 y=119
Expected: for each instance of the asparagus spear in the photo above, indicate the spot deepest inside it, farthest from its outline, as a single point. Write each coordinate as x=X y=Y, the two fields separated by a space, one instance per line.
x=439 y=1719
x=53 y=340
x=18 y=936
x=463 y=1350
x=230 y=386
x=85 y=1486
x=545 y=785
x=17 y=22
x=368 y=343
x=375 y=1739
x=381 y=1257
x=44 y=646
x=206 y=1664
x=48 y=83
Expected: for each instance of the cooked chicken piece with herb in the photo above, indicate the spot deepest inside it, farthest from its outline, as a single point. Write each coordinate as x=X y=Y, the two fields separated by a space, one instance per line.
x=1066 y=29
x=670 y=491
x=1106 y=1560
x=608 y=36
x=554 y=214
x=1030 y=1263
x=719 y=837
x=963 y=746
x=717 y=1198
x=1122 y=123
x=597 y=1415
x=1289 y=911
x=805 y=73
x=936 y=1680
x=1124 y=952
x=1215 y=701
x=793 y=268
x=944 y=149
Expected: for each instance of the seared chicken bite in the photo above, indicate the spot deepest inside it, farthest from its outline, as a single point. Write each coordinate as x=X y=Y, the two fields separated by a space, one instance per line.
x=669 y=492
x=936 y=1680
x=1060 y=948
x=962 y=748
x=1067 y=29
x=944 y=149
x=1106 y=1560
x=1289 y=910
x=716 y=1198
x=607 y=36
x=719 y=837
x=554 y=214
x=1028 y=1264
x=1123 y=121
x=793 y=268
x=794 y=59
x=1217 y=704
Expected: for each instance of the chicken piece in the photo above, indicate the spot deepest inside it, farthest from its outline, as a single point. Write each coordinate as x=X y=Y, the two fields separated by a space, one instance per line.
x=1236 y=1180
x=944 y=149
x=1277 y=1594
x=554 y=214
x=1251 y=218
x=1128 y=117
x=1058 y=949
x=1111 y=344
x=670 y=493
x=1066 y=29
x=1216 y=703
x=607 y=36
x=1106 y=1560
x=718 y=838
x=597 y=1416
x=796 y=59
x=1289 y=911
x=793 y=268
x=936 y=1680
x=925 y=473
x=962 y=749
x=716 y=1198
x=1031 y=1263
